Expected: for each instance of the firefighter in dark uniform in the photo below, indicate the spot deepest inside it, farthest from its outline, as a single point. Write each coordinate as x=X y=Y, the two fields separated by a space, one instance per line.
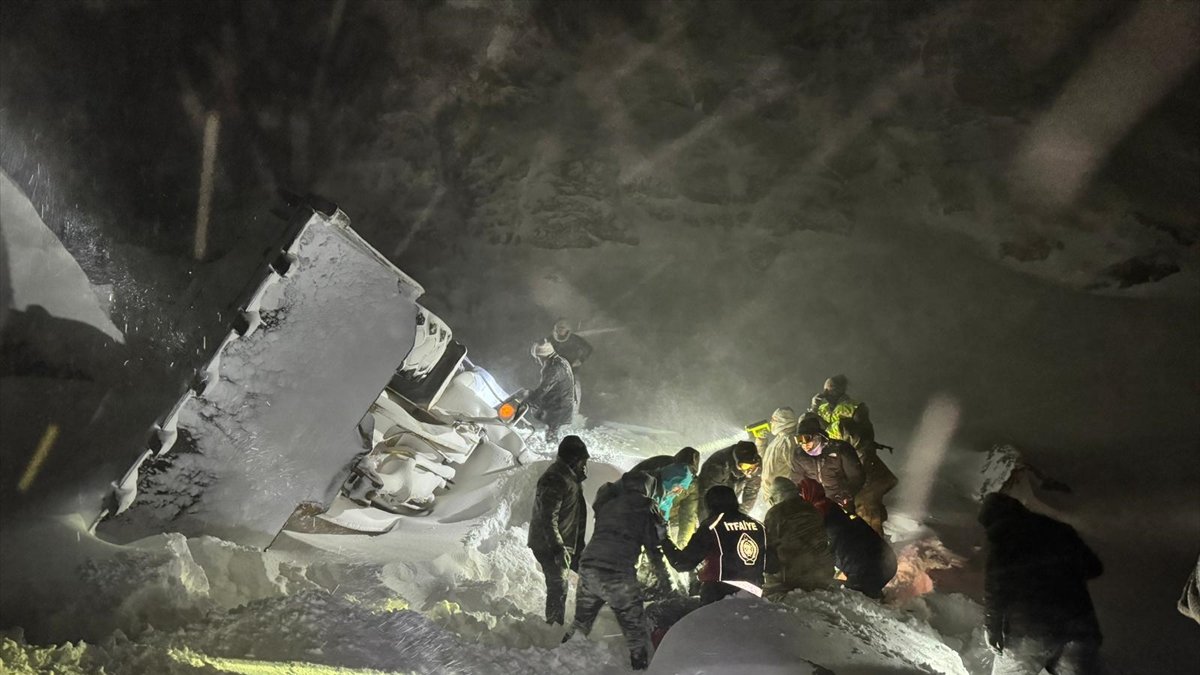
x=730 y=545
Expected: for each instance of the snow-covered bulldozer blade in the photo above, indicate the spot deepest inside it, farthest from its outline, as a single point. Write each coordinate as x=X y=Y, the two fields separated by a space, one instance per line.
x=335 y=390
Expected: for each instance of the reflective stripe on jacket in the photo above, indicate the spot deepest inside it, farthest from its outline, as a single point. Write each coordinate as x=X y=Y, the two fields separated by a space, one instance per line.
x=732 y=549
x=833 y=414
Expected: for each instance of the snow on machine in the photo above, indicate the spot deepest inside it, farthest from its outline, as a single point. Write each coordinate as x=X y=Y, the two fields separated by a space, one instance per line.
x=336 y=403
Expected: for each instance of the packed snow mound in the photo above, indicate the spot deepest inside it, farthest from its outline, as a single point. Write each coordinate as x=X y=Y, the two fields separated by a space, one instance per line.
x=841 y=632
x=38 y=270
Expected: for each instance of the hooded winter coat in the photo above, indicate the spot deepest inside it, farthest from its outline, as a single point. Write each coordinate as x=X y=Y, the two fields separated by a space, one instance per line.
x=861 y=554
x=777 y=455
x=837 y=468
x=671 y=478
x=559 y=520
x=627 y=520
x=721 y=469
x=1035 y=583
x=554 y=396
x=798 y=554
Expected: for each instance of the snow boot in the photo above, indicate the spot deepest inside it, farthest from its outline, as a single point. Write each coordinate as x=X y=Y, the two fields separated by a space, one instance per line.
x=639 y=660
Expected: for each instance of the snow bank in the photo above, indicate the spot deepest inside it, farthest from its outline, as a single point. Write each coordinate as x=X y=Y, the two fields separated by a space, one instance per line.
x=454 y=592
x=820 y=632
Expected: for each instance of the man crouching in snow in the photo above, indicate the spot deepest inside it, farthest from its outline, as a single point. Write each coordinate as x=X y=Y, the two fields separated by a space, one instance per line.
x=627 y=520
x=1037 y=611
x=731 y=545
x=558 y=527
x=868 y=562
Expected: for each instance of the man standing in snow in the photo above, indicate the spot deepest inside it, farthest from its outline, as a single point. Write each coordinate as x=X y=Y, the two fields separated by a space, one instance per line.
x=627 y=521
x=798 y=553
x=777 y=452
x=849 y=420
x=1037 y=610
x=571 y=347
x=554 y=397
x=558 y=527
x=832 y=463
x=730 y=546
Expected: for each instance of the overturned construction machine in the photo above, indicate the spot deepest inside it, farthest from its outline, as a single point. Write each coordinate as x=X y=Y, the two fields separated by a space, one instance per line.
x=336 y=402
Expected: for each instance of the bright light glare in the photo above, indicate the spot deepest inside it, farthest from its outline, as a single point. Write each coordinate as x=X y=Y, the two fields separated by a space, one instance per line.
x=925 y=453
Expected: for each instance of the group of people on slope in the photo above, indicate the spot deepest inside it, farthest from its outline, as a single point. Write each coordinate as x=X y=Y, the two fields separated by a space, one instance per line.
x=674 y=509
x=729 y=545
x=834 y=442
x=822 y=524
x=555 y=400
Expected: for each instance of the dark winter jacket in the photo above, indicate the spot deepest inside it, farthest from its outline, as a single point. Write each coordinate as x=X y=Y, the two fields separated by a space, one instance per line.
x=730 y=547
x=627 y=520
x=671 y=478
x=554 y=396
x=837 y=469
x=797 y=547
x=1036 y=575
x=574 y=349
x=721 y=469
x=559 y=519
x=858 y=551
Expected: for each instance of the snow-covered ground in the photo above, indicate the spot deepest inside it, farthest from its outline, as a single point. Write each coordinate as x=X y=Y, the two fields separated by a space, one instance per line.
x=456 y=592
x=739 y=204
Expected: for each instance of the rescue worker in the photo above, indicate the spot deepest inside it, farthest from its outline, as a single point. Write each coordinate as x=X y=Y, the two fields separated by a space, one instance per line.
x=834 y=464
x=849 y=420
x=568 y=345
x=1037 y=610
x=571 y=347
x=673 y=477
x=558 y=527
x=798 y=554
x=858 y=551
x=627 y=522
x=731 y=546
x=736 y=467
x=554 y=397
x=777 y=451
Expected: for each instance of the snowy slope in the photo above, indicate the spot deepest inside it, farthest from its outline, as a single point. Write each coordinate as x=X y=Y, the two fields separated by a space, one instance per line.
x=454 y=593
